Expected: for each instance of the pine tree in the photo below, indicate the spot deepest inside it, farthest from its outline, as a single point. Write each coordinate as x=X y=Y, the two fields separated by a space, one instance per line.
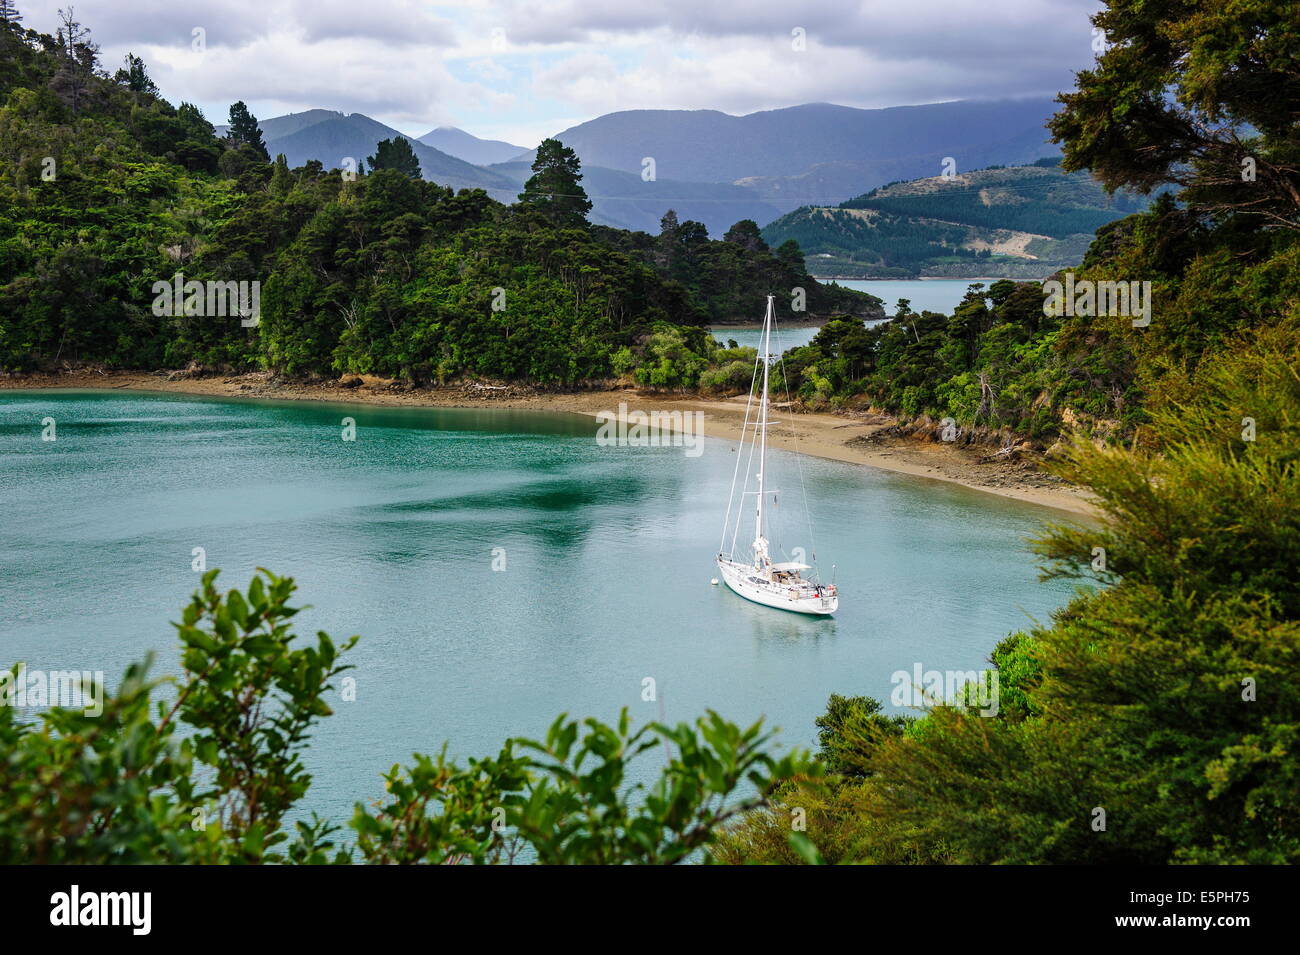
x=395 y=154
x=555 y=188
x=134 y=76
x=791 y=256
x=9 y=13
x=244 y=131
x=281 y=180
x=746 y=233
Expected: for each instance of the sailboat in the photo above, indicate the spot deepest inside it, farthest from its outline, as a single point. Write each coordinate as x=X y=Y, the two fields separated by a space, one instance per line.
x=757 y=577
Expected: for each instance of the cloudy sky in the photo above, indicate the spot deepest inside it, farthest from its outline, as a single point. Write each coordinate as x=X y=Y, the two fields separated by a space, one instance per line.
x=520 y=70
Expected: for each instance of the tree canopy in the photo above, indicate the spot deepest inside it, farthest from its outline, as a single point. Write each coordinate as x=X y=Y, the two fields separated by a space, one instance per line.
x=396 y=154
x=381 y=273
x=245 y=131
x=555 y=187
x=1198 y=93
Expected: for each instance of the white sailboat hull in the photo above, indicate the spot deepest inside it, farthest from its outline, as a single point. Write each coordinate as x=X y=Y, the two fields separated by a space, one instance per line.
x=745 y=580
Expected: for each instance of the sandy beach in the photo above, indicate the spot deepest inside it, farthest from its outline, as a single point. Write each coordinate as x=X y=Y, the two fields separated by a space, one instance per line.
x=831 y=436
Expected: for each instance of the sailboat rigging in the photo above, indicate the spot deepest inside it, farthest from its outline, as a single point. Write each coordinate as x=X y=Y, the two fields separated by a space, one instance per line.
x=778 y=584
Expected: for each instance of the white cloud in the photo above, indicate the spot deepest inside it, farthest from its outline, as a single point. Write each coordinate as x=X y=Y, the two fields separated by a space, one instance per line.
x=520 y=69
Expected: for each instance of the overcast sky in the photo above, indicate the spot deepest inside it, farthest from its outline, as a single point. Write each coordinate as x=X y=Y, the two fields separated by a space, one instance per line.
x=520 y=70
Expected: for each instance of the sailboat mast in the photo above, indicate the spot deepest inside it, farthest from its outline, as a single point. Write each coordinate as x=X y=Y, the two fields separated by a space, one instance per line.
x=762 y=413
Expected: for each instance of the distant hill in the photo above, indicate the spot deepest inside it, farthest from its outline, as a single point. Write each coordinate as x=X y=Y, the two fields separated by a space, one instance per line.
x=817 y=153
x=463 y=145
x=330 y=136
x=623 y=200
x=710 y=166
x=831 y=182
x=1018 y=222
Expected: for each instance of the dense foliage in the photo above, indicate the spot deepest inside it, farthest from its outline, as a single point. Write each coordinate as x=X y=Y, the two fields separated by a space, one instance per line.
x=1038 y=198
x=721 y=276
x=996 y=362
x=107 y=190
x=1198 y=93
x=1153 y=721
x=396 y=154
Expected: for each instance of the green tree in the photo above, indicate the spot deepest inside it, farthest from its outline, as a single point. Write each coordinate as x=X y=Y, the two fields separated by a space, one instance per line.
x=135 y=77
x=747 y=235
x=850 y=727
x=1197 y=93
x=555 y=188
x=1145 y=697
x=396 y=154
x=244 y=131
x=281 y=180
x=790 y=256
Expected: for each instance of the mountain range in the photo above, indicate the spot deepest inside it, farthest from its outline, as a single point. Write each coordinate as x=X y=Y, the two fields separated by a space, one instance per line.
x=333 y=137
x=626 y=201
x=462 y=145
x=709 y=166
x=840 y=151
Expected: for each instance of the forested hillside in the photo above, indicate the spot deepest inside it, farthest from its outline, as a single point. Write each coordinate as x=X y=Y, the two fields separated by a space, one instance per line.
x=1017 y=222
x=107 y=190
x=1000 y=362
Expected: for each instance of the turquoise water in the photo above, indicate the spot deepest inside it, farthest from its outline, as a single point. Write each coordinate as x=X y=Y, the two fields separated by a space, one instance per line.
x=608 y=561
x=783 y=339
x=926 y=295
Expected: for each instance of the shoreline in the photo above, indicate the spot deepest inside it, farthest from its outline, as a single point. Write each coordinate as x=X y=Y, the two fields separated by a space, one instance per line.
x=925 y=278
x=833 y=437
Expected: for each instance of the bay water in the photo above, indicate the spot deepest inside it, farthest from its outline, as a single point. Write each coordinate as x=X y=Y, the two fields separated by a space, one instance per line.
x=925 y=295
x=501 y=566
